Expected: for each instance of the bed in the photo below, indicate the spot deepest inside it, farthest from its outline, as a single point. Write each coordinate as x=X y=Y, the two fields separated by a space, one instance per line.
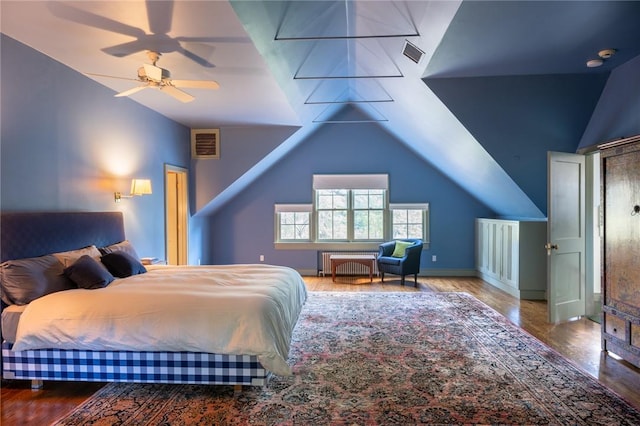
x=219 y=325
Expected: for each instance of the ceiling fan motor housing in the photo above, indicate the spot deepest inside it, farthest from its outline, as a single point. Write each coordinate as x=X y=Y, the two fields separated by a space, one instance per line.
x=153 y=73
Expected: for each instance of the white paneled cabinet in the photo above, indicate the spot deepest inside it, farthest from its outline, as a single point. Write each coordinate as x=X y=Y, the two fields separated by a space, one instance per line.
x=510 y=255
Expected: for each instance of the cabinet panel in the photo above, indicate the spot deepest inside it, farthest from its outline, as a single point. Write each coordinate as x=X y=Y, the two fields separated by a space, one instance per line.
x=620 y=175
x=495 y=250
x=615 y=326
x=511 y=253
x=622 y=241
x=514 y=255
x=635 y=335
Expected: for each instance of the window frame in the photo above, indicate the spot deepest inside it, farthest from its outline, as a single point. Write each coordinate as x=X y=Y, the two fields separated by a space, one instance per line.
x=424 y=207
x=353 y=210
x=293 y=208
x=317 y=211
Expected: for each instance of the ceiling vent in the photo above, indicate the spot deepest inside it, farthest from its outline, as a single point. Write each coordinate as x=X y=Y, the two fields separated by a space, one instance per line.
x=205 y=143
x=412 y=51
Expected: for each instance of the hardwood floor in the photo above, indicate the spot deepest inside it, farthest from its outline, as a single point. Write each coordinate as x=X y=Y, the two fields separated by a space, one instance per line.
x=577 y=340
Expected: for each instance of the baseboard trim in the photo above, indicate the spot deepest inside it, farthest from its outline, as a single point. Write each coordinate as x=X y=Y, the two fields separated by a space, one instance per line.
x=520 y=294
x=447 y=273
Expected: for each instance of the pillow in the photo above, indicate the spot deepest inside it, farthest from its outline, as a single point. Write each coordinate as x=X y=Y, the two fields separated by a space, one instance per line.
x=122 y=264
x=88 y=273
x=67 y=258
x=124 y=246
x=24 y=280
x=400 y=248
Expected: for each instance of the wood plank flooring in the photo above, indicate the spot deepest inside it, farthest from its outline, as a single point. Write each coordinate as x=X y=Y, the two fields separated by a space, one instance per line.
x=577 y=340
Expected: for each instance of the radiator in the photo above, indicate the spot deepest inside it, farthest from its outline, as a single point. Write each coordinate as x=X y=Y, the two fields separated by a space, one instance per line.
x=324 y=264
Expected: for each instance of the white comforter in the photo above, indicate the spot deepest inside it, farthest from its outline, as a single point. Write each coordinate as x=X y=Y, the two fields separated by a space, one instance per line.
x=234 y=309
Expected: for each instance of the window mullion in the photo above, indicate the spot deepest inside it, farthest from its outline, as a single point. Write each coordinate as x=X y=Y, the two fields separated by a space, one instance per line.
x=350 y=216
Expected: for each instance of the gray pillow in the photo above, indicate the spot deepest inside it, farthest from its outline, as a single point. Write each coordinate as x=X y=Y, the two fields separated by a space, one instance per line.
x=24 y=280
x=68 y=257
x=124 y=246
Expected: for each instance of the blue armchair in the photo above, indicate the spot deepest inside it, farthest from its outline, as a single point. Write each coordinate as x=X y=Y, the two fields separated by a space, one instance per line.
x=399 y=263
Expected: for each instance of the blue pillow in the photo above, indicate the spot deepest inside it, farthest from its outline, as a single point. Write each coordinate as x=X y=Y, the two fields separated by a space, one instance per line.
x=122 y=264
x=87 y=273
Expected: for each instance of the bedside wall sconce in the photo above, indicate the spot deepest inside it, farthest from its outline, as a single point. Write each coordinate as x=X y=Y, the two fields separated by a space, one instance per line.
x=138 y=187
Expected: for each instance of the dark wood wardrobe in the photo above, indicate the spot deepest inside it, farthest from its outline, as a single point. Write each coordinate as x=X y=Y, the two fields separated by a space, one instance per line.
x=620 y=173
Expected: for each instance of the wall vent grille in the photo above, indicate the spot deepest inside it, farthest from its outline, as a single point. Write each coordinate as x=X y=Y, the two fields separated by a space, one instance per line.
x=412 y=51
x=205 y=143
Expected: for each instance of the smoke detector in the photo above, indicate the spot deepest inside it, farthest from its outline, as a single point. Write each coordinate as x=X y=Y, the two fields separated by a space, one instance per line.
x=606 y=53
x=594 y=63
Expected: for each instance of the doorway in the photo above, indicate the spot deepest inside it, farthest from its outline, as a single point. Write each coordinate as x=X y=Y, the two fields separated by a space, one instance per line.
x=176 y=214
x=593 y=236
x=574 y=268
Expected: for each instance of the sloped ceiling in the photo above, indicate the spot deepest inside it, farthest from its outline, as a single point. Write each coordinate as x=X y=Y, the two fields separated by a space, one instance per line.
x=514 y=74
x=500 y=83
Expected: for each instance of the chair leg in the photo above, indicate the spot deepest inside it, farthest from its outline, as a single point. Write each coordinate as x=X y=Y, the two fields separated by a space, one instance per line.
x=381 y=276
x=415 y=279
x=402 y=280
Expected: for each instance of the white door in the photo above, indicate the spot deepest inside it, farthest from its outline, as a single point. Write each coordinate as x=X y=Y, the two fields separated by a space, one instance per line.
x=566 y=236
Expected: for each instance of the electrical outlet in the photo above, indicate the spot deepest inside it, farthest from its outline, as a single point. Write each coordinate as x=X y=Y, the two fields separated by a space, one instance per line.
x=434 y=258
x=262 y=258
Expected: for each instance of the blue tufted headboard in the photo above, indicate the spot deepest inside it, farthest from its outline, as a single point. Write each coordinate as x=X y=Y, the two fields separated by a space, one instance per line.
x=31 y=234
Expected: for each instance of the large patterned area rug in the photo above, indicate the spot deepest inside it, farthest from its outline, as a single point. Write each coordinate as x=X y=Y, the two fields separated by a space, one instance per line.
x=386 y=359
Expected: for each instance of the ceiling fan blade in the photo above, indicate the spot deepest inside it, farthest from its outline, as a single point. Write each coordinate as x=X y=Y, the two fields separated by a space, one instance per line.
x=111 y=76
x=126 y=49
x=196 y=84
x=177 y=93
x=131 y=91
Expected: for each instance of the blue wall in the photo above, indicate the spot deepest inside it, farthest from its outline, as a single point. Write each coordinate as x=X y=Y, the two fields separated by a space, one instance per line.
x=244 y=228
x=518 y=119
x=617 y=113
x=68 y=144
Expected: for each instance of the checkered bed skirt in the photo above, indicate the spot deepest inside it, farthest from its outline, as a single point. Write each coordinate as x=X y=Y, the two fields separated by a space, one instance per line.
x=128 y=366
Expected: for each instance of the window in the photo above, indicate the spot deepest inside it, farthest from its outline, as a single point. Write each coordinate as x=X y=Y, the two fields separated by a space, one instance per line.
x=368 y=214
x=409 y=220
x=293 y=222
x=350 y=209
x=350 y=214
x=332 y=206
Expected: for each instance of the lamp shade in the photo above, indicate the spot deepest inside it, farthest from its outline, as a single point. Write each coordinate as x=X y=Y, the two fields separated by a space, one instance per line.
x=140 y=186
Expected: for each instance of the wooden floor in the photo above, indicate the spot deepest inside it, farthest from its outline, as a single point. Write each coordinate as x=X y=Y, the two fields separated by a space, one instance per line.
x=577 y=340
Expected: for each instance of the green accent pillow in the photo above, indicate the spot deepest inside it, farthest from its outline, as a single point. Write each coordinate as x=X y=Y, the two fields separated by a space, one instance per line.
x=400 y=248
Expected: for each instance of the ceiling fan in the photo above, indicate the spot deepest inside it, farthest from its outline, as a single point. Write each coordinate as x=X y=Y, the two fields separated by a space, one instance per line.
x=152 y=76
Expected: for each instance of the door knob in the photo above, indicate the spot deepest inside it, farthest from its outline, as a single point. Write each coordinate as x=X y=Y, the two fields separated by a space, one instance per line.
x=550 y=247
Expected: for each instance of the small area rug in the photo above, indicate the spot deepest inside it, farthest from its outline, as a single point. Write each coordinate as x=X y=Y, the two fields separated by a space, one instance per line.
x=386 y=359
